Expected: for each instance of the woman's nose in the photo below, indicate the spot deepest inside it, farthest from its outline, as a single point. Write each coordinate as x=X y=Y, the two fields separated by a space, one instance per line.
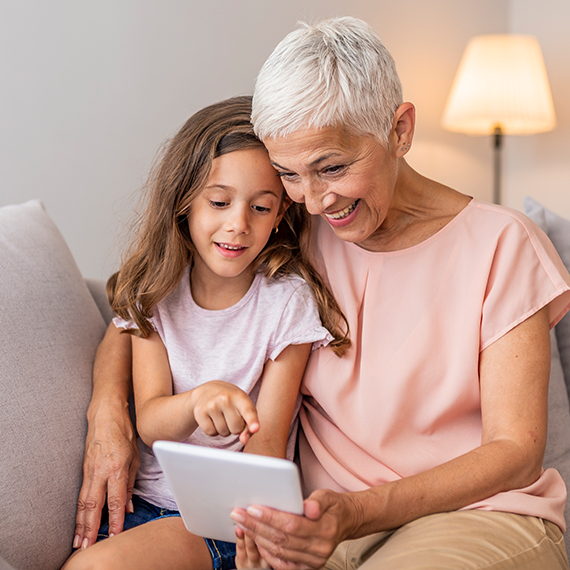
x=317 y=197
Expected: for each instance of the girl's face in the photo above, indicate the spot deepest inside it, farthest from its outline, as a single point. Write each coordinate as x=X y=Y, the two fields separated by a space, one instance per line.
x=233 y=216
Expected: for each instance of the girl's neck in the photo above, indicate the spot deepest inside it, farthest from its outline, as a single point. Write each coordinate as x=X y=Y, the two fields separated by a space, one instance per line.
x=214 y=293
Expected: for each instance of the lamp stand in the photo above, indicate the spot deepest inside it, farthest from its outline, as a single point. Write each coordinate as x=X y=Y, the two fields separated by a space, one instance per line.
x=497 y=148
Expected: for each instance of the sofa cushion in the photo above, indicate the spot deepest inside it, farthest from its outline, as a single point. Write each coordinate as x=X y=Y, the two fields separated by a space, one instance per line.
x=557 y=452
x=50 y=328
x=97 y=289
x=558 y=230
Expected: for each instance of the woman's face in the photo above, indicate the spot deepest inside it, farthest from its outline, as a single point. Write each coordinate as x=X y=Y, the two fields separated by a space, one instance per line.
x=346 y=179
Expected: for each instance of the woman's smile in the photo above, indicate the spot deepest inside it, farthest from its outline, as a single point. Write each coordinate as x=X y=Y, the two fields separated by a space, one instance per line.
x=343 y=217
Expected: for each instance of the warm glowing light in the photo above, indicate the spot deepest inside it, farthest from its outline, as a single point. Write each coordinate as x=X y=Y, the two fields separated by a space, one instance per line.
x=501 y=82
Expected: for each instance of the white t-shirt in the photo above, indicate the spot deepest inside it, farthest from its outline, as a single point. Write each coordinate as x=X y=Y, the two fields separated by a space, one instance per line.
x=231 y=345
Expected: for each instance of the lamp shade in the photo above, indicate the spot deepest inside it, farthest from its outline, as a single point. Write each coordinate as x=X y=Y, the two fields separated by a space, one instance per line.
x=501 y=82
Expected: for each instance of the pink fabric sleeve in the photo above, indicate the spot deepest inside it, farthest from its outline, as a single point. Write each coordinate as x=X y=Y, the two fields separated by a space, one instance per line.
x=526 y=274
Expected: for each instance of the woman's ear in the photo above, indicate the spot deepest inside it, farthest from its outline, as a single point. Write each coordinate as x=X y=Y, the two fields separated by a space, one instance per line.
x=403 y=127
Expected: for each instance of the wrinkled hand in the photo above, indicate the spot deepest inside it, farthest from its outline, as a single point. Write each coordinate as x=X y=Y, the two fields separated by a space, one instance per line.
x=109 y=468
x=292 y=542
x=247 y=554
x=221 y=408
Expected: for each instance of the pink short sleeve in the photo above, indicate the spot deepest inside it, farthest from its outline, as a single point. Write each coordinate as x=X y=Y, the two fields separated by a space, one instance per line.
x=525 y=275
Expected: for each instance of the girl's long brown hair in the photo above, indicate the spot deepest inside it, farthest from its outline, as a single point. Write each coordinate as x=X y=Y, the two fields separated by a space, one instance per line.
x=162 y=248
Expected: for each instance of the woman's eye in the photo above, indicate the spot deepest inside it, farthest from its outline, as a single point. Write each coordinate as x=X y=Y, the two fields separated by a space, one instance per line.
x=287 y=176
x=334 y=169
x=218 y=204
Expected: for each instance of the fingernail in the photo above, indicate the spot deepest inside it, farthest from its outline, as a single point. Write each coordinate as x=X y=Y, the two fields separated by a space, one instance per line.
x=111 y=535
x=76 y=541
x=237 y=517
x=85 y=543
x=254 y=512
x=130 y=507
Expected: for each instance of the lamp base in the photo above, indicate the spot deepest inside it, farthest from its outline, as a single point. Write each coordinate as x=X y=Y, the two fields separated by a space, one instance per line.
x=497 y=148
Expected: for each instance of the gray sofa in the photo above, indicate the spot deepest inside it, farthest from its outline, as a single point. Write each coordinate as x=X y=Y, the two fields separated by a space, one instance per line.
x=51 y=322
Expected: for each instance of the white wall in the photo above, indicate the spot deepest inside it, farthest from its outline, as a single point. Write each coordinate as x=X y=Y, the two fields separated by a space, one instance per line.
x=90 y=89
x=539 y=165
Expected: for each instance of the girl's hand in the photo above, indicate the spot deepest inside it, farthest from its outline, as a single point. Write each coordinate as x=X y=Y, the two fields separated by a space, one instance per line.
x=221 y=408
x=247 y=554
x=292 y=542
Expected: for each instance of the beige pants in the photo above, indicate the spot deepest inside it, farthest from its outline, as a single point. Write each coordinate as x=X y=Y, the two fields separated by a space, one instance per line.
x=461 y=540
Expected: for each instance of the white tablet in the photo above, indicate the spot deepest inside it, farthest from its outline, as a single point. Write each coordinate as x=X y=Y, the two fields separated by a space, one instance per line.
x=208 y=483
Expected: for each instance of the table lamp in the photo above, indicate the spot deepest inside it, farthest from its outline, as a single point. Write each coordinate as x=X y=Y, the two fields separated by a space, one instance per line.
x=501 y=88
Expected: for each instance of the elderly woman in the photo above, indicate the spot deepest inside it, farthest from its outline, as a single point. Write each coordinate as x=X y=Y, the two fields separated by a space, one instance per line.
x=422 y=447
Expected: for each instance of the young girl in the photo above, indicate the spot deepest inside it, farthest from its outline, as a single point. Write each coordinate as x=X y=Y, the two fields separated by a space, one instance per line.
x=224 y=308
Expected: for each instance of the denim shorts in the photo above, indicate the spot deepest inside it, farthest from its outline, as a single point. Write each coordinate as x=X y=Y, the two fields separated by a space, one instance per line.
x=223 y=553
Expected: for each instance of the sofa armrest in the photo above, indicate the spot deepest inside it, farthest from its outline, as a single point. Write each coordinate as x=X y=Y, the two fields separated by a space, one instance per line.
x=97 y=289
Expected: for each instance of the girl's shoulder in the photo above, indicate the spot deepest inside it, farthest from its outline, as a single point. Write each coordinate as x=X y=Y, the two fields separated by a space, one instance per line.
x=284 y=287
x=290 y=282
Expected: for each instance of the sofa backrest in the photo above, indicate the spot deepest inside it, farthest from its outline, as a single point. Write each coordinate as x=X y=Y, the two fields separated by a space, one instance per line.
x=50 y=328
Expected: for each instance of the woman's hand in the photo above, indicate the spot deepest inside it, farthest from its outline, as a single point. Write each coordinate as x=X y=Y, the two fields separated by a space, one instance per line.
x=221 y=408
x=292 y=542
x=109 y=469
x=247 y=554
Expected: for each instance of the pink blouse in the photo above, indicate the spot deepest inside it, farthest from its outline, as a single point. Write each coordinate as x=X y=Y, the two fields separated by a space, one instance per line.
x=405 y=398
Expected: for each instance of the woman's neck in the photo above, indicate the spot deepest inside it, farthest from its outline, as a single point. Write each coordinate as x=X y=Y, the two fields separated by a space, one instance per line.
x=420 y=207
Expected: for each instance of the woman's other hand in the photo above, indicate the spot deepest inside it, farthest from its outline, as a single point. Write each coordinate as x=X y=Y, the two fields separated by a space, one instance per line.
x=291 y=542
x=111 y=453
x=247 y=554
x=109 y=468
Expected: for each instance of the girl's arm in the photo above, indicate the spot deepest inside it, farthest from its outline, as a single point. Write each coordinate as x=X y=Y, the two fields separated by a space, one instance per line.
x=111 y=453
x=219 y=408
x=514 y=374
x=276 y=400
x=275 y=406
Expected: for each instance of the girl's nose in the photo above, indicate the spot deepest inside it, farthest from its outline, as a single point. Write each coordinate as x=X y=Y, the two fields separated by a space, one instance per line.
x=238 y=221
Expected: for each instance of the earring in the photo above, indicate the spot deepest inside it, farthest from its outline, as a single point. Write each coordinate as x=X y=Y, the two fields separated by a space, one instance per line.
x=406 y=147
x=276 y=228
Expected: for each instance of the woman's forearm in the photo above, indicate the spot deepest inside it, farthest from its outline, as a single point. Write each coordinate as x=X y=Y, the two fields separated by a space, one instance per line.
x=490 y=469
x=112 y=371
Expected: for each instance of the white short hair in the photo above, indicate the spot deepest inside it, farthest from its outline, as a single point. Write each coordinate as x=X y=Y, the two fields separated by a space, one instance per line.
x=336 y=73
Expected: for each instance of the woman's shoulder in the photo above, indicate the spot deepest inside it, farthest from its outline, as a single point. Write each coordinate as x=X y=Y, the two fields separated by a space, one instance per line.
x=487 y=216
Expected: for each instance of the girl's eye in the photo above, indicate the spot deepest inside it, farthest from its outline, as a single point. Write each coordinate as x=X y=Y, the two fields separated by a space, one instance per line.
x=261 y=209
x=218 y=204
